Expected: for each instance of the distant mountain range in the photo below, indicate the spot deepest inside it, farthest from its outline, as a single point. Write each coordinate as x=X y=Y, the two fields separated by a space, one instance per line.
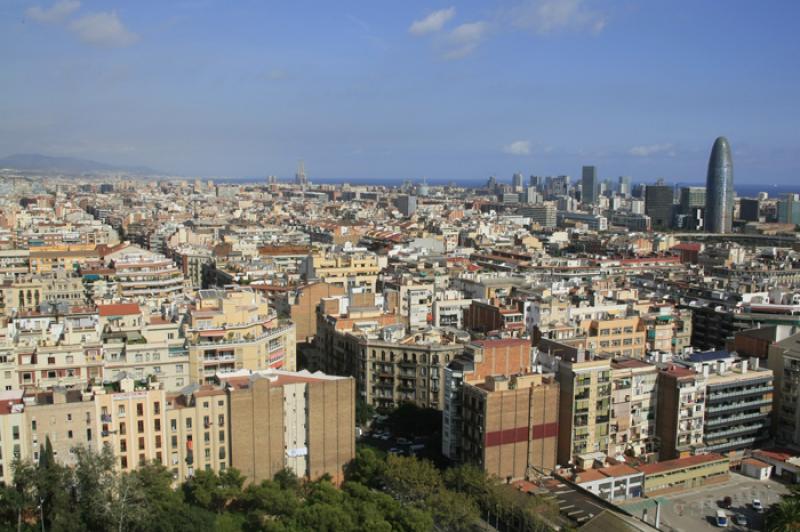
x=34 y=162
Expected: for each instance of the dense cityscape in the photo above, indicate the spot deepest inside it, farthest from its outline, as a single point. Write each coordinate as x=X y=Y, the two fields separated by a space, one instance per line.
x=522 y=265
x=602 y=346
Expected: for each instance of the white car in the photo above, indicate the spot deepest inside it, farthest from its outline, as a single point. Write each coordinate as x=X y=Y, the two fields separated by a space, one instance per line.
x=757 y=506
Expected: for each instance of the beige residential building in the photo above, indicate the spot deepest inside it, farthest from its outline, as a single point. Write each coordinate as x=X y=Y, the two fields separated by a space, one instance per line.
x=132 y=423
x=14 y=436
x=390 y=366
x=235 y=329
x=616 y=336
x=344 y=269
x=143 y=347
x=301 y=421
x=67 y=418
x=584 y=401
x=633 y=411
x=197 y=431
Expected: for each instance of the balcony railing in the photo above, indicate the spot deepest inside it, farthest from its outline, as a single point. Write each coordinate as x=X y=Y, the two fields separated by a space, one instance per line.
x=751 y=391
x=736 y=406
x=741 y=417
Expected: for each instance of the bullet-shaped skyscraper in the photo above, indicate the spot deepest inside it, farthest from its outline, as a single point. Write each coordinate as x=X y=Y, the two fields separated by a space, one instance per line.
x=719 y=188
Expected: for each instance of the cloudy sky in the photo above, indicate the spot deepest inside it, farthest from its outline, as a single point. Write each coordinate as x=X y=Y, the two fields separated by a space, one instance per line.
x=394 y=90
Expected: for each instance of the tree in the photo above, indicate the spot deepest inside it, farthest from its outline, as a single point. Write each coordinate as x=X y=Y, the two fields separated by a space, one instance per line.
x=785 y=516
x=453 y=511
x=364 y=412
x=367 y=468
x=410 y=479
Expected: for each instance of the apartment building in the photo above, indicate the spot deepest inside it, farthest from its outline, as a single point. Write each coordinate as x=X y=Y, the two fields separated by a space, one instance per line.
x=680 y=412
x=67 y=418
x=14 y=436
x=26 y=293
x=197 y=431
x=615 y=336
x=669 y=332
x=481 y=358
x=233 y=329
x=301 y=421
x=345 y=269
x=390 y=365
x=632 y=429
x=784 y=361
x=584 y=404
x=739 y=395
x=132 y=423
x=142 y=346
x=510 y=425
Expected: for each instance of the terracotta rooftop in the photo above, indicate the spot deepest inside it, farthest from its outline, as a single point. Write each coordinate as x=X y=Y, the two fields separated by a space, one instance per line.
x=679 y=463
x=118 y=309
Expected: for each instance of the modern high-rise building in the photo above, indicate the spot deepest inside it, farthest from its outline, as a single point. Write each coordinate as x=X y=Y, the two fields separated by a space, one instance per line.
x=789 y=209
x=624 y=187
x=516 y=182
x=658 y=205
x=691 y=197
x=300 y=177
x=750 y=209
x=719 y=188
x=589 y=185
x=407 y=205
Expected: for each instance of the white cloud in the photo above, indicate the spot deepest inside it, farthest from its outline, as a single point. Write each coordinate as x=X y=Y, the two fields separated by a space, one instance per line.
x=56 y=13
x=652 y=149
x=463 y=40
x=518 y=147
x=103 y=29
x=433 y=22
x=552 y=16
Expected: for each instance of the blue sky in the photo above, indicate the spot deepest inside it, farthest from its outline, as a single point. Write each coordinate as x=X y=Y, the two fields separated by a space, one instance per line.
x=395 y=90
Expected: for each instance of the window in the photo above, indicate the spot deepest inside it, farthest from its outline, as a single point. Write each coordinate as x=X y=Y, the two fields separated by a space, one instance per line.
x=157 y=425
x=221 y=436
x=15 y=432
x=141 y=443
x=139 y=409
x=140 y=426
x=156 y=408
x=188 y=423
x=173 y=424
x=174 y=442
x=33 y=425
x=69 y=434
x=123 y=462
x=123 y=446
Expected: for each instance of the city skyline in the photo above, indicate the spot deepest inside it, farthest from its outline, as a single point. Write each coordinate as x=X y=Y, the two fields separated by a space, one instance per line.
x=448 y=92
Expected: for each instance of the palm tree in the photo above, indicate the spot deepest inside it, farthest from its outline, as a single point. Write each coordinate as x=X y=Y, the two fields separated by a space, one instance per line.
x=785 y=516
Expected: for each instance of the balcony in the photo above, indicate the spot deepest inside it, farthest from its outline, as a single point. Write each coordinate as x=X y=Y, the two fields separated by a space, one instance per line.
x=760 y=390
x=743 y=429
x=741 y=417
x=738 y=406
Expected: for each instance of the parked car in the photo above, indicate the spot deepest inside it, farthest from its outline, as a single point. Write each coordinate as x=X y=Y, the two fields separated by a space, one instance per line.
x=395 y=450
x=403 y=441
x=757 y=506
x=740 y=519
x=722 y=518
